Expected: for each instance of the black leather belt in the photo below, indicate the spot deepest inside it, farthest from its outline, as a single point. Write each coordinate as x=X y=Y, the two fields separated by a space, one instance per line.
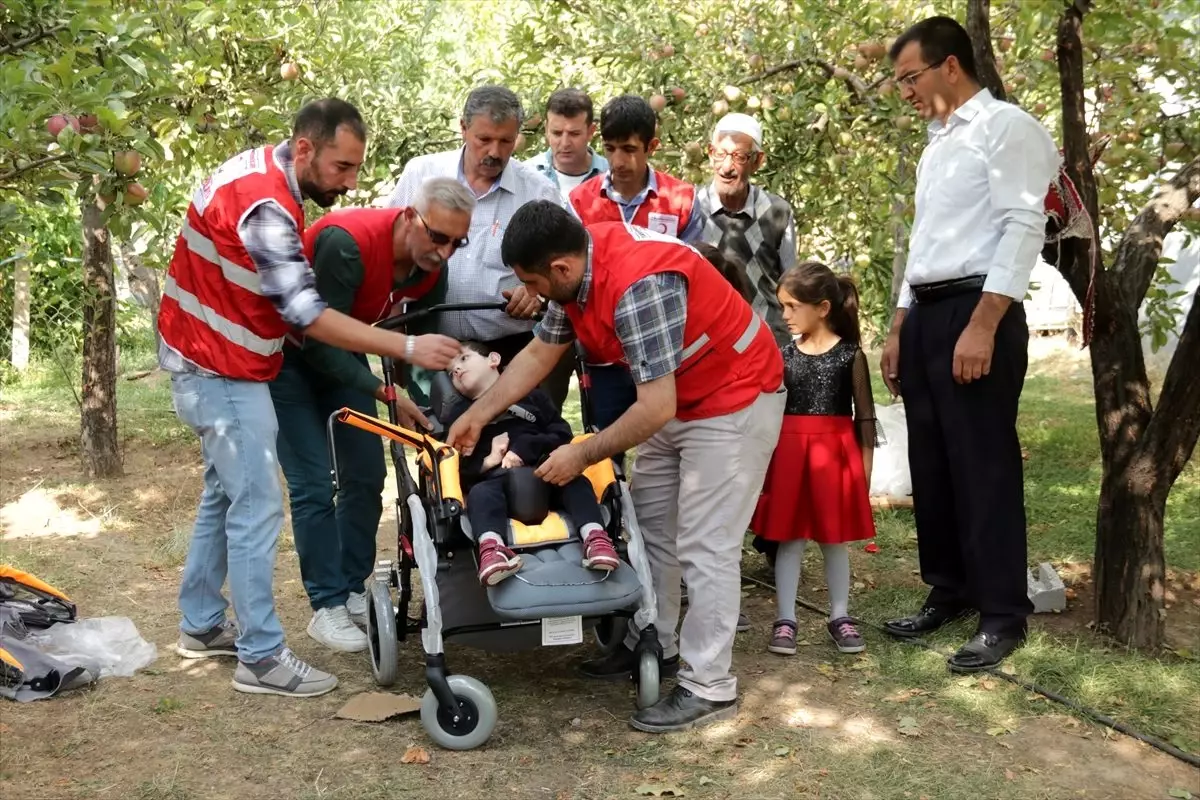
x=933 y=292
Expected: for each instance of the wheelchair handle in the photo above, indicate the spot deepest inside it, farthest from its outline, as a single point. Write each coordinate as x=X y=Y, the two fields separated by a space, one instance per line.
x=399 y=320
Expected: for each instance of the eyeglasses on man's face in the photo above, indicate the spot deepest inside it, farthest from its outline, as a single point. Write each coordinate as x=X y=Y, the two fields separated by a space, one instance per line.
x=740 y=157
x=439 y=238
x=910 y=80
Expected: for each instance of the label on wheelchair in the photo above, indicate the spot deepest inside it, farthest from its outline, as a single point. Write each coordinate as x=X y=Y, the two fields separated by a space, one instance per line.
x=562 y=630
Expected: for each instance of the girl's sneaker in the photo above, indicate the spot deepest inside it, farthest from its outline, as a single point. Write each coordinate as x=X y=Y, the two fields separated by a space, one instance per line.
x=783 y=638
x=846 y=636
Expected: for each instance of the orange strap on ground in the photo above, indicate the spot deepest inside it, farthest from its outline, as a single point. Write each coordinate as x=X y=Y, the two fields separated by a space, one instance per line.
x=28 y=580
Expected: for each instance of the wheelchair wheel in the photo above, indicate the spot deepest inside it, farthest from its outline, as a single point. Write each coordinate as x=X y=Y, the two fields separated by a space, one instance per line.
x=471 y=726
x=382 y=639
x=610 y=632
x=647 y=679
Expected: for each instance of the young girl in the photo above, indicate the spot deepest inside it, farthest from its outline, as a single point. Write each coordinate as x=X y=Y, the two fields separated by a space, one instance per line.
x=817 y=485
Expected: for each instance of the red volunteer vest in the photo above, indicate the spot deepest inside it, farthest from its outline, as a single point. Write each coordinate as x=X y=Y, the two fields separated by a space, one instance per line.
x=729 y=355
x=213 y=310
x=670 y=204
x=371 y=229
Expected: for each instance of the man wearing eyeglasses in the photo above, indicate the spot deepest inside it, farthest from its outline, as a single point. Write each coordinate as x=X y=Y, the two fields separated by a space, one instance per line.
x=367 y=262
x=750 y=224
x=957 y=350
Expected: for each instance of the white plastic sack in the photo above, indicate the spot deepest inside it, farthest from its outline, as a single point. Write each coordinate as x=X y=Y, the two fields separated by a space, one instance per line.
x=889 y=470
x=112 y=644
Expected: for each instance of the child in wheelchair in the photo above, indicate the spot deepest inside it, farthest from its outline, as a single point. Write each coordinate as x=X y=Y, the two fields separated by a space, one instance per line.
x=524 y=435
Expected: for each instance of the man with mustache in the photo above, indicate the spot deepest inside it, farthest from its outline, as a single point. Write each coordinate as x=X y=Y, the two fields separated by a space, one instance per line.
x=491 y=121
x=368 y=262
x=237 y=283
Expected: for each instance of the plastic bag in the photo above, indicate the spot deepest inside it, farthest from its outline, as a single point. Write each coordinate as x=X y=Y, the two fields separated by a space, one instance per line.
x=889 y=471
x=112 y=644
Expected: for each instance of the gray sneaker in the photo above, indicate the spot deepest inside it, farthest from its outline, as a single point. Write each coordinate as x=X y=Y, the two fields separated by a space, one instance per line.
x=217 y=641
x=283 y=673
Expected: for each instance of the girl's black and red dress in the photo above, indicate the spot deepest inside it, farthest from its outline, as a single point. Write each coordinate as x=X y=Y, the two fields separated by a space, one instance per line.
x=816 y=486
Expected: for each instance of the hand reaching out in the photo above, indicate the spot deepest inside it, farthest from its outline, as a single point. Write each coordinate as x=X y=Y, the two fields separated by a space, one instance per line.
x=511 y=460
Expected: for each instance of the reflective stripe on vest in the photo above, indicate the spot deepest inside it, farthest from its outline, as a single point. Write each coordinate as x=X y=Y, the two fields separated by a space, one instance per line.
x=236 y=274
x=740 y=346
x=231 y=331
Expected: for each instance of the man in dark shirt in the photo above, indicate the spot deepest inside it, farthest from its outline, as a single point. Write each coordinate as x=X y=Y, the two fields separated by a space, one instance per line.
x=367 y=262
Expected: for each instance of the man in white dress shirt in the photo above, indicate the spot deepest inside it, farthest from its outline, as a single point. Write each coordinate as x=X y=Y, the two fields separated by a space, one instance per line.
x=957 y=350
x=491 y=120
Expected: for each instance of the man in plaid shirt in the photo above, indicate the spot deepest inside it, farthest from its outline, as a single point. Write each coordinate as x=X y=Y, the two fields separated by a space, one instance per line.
x=237 y=283
x=709 y=407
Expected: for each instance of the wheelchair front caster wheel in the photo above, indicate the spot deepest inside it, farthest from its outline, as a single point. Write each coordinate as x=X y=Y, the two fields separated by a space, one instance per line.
x=472 y=723
x=383 y=643
x=647 y=680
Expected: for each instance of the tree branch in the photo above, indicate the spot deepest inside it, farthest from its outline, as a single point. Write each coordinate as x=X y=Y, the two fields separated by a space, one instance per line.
x=1175 y=426
x=33 y=38
x=1136 y=259
x=854 y=83
x=32 y=165
x=979 y=27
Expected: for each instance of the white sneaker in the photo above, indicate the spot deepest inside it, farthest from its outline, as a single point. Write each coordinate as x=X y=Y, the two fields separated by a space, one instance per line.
x=332 y=627
x=356 y=604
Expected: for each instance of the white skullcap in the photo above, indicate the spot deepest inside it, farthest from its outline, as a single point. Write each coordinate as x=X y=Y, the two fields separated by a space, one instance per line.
x=740 y=123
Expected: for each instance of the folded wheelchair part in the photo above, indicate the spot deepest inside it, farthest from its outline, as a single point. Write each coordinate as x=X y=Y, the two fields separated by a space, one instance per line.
x=647 y=612
x=425 y=554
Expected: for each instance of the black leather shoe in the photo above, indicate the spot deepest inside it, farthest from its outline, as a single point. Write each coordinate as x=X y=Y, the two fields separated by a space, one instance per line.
x=681 y=710
x=927 y=620
x=984 y=651
x=619 y=666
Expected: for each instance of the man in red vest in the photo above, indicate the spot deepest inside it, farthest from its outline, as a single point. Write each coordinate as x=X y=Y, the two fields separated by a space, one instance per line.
x=367 y=261
x=708 y=411
x=237 y=283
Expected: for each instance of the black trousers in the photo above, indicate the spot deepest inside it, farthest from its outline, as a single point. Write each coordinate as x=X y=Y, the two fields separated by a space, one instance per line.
x=965 y=460
x=556 y=384
x=487 y=505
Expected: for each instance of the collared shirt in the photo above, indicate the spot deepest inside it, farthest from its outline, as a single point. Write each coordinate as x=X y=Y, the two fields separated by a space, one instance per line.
x=981 y=185
x=544 y=164
x=649 y=320
x=693 y=232
x=476 y=273
x=272 y=240
x=761 y=235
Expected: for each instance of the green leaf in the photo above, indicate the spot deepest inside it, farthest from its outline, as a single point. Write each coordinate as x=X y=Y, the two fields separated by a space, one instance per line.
x=134 y=64
x=782 y=751
x=908 y=726
x=1180 y=793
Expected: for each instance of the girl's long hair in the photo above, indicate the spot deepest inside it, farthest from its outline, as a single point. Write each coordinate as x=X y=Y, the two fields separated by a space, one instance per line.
x=812 y=283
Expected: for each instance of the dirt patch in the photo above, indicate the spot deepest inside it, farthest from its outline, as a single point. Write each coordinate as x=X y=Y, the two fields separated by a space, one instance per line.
x=815 y=726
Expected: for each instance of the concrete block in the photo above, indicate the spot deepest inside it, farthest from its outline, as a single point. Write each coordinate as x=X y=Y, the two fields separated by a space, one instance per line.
x=1046 y=590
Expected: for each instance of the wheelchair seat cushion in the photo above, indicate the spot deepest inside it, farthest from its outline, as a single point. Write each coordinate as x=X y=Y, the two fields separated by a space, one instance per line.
x=553 y=582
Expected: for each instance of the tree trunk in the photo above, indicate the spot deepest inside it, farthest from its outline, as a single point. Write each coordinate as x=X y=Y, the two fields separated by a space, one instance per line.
x=20 y=318
x=98 y=418
x=979 y=26
x=1142 y=449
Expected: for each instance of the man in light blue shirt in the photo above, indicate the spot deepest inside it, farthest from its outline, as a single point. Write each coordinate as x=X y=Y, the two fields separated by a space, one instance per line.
x=491 y=120
x=570 y=126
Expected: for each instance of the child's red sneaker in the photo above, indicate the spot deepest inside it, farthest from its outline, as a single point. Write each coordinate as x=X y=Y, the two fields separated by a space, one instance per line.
x=599 y=553
x=496 y=562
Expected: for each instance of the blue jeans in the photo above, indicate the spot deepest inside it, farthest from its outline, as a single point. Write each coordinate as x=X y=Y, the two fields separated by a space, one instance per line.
x=335 y=542
x=613 y=392
x=240 y=513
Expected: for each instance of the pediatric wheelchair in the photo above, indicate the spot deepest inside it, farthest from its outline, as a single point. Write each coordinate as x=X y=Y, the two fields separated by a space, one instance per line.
x=551 y=593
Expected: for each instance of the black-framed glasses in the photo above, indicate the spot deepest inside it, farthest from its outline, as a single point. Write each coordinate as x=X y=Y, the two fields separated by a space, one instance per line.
x=910 y=80
x=437 y=237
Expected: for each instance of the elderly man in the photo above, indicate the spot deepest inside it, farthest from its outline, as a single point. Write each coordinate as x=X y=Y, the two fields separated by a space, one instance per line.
x=749 y=224
x=570 y=126
x=491 y=120
x=957 y=350
x=707 y=415
x=237 y=283
x=367 y=261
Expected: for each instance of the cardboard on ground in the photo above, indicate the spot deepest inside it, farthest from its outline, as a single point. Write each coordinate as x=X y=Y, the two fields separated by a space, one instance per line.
x=377 y=706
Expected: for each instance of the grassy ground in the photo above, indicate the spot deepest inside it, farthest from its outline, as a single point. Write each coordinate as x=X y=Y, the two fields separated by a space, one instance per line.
x=891 y=723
